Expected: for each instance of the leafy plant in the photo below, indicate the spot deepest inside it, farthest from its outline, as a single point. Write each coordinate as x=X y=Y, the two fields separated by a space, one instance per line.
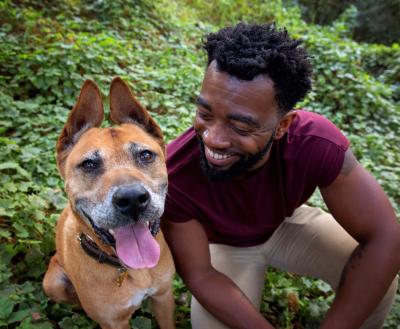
x=49 y=49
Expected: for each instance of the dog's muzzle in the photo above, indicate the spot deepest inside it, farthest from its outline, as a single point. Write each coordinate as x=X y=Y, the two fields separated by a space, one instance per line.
x=129 y=203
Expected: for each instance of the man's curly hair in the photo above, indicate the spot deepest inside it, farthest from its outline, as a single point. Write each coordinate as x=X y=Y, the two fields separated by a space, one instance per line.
x=247 y=50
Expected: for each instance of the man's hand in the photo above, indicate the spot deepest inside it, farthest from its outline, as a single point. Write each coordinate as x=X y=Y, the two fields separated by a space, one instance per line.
x=215 y=291
x=359 y=204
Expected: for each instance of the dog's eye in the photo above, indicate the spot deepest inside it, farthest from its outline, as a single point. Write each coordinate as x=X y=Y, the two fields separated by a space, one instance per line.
x=89 y=165
x=146 y=156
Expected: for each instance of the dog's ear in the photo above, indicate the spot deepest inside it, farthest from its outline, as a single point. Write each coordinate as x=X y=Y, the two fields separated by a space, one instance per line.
x=87 y=113
x=125 y=108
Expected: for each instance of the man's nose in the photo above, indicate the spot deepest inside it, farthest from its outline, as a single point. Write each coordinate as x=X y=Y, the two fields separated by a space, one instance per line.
x=216 y=137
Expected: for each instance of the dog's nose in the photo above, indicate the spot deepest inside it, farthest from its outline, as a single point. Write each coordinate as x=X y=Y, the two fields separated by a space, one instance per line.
x=131 y=199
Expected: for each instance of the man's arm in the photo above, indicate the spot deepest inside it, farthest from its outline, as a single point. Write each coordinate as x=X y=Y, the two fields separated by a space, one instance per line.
x=215 y=291
x=359 y=204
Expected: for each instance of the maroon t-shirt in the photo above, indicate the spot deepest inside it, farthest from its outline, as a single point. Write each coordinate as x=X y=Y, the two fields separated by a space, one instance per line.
x=246 y=211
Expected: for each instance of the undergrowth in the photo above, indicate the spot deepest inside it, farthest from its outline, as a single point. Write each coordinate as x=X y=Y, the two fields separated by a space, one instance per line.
x=49 y=48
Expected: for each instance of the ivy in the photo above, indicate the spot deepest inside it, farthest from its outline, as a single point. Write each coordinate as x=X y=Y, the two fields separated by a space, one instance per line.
x=49 y=49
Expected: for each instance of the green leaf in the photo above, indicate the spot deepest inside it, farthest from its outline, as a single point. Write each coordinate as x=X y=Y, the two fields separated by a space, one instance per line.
x=28 y=324
x=67 y=323
x=19 y=316
x=141 y=322
x=6 y=307
x=76 y=321
x=15 y=166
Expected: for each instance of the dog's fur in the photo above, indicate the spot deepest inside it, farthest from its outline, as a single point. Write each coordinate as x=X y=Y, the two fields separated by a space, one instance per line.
x=95 y=162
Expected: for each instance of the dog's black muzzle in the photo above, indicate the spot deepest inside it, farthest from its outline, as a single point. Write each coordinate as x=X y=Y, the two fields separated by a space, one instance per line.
x=131 y=200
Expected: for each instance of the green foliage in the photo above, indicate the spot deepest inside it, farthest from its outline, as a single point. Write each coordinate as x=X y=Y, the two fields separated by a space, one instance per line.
x=227 y=12
x=373 y=21
x=359 y=93
x=295 y=302
x=378 y=21
x=49 y=48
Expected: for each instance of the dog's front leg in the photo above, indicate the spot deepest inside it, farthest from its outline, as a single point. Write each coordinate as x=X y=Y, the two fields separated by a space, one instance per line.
x=163 y=307
x=57 y=285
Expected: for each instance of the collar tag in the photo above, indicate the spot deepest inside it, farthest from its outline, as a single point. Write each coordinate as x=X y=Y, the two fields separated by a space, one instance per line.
x=122 y=274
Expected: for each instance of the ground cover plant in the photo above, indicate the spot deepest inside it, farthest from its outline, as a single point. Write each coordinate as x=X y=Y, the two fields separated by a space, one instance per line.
x=49 y=48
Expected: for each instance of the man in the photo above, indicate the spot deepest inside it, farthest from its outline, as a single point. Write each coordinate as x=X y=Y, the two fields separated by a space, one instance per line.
x=238 y=180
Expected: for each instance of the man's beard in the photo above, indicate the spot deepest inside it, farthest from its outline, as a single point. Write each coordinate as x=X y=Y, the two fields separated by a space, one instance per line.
x=240 y=167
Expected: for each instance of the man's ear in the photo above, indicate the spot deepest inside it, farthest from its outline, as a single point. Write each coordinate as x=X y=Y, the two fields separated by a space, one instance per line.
x=284 y=124
x=87 y=113
x=125 y=108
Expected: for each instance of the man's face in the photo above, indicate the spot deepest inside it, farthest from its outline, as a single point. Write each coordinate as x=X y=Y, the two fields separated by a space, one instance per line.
x=235 y=122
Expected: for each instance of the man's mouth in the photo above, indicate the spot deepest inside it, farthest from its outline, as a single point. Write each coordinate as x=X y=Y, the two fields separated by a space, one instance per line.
x=219 y=159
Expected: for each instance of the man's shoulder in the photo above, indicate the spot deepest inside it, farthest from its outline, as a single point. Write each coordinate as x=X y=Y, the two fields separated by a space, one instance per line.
x=310 y=124
x=315 y=147
x=182 y=151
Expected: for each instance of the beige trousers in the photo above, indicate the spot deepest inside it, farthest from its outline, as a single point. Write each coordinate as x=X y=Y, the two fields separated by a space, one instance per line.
x=310 y=243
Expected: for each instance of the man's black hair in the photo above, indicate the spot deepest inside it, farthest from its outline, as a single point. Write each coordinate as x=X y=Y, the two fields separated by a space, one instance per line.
x=248 y=50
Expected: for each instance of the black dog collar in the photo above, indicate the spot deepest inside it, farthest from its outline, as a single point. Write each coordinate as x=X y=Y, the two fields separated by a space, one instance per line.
x=92 y=249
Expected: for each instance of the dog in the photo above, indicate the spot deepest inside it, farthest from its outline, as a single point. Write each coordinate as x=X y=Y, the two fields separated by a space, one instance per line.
x=110 y=254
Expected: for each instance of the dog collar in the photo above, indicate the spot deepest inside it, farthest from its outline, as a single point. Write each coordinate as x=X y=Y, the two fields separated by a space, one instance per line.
x=92 y=249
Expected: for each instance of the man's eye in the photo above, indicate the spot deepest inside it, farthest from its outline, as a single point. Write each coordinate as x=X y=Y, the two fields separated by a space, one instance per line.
x=241 y=131
x=89 y=165
x=203 y=116
x=146 y=156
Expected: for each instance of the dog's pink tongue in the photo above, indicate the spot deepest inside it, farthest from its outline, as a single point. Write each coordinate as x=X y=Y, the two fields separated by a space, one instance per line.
x=136 y=247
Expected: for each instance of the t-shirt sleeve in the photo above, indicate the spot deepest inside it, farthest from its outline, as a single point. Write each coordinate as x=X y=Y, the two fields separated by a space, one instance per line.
x=329 y=159
x=313 y=155
x=324 y=152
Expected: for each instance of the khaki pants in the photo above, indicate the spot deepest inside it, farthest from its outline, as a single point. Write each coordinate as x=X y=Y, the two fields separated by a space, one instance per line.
x=310 y=243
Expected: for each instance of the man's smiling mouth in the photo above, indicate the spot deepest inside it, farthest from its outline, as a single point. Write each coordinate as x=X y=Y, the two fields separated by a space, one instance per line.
x=221 y=160
x=217 y=155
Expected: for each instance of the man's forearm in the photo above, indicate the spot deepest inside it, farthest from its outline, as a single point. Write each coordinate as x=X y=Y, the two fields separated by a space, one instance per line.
x=227 y=302
x=365 y=279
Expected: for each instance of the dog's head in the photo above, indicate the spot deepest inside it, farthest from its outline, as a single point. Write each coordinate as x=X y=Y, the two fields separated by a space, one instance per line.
x=115 y=178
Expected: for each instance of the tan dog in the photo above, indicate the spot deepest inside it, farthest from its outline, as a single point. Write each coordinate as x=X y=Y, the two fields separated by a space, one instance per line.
x=109 y=256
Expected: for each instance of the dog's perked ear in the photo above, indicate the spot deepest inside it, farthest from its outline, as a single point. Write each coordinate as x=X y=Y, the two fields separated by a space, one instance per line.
x=87 y=113
x=125 y=108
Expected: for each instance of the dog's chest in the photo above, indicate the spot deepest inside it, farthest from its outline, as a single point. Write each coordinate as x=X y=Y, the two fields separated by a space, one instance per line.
x=140 y=295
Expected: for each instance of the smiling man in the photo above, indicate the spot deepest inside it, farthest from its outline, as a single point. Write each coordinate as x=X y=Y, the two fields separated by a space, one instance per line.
x=238 y=181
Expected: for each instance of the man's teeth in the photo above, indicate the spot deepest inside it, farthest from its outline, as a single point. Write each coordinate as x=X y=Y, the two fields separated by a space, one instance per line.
x=217 y=156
